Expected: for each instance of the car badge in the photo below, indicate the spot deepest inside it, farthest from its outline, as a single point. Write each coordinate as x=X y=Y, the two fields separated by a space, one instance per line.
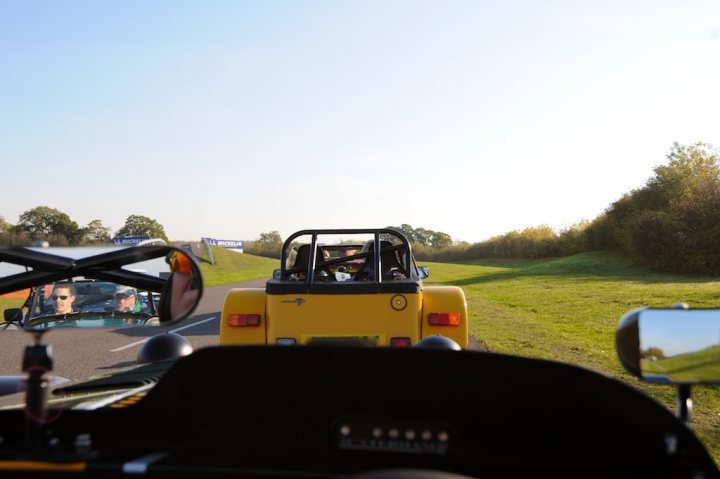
x=298 y=301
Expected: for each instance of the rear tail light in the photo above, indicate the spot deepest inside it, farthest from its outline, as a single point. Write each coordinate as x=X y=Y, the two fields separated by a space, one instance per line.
x=444 y=319
x=400 y=342
x=285 y=341
x=241 y=320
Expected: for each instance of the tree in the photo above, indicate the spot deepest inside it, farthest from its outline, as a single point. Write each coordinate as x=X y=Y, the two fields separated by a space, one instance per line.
x=671 y=222
x=4 y=226
x=574 y=239
x=653 y=352
x=440 y=240
x=423 y=236
x=11 y=235
x=137 y=225
x=44 y=223
x=95 y=232
x=268 y=244
x=406 y=230
x=687 y=167
x=269 y=239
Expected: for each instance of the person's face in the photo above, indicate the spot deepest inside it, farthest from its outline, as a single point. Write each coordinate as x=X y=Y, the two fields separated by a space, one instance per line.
x=125 y=302
x=62 y=299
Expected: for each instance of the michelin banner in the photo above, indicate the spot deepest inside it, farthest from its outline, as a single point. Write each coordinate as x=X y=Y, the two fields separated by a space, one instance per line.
x=129 y=240
x=235 y=245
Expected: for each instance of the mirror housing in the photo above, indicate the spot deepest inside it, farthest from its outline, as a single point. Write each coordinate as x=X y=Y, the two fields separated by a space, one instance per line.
x=12 y=315
x=671 y=345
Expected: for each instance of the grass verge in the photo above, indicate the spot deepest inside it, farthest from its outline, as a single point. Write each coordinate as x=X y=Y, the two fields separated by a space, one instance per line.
x=567 y=309
x=232 y=267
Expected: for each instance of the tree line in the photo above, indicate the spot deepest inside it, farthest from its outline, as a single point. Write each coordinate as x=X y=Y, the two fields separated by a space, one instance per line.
x=270 y=243
x=670 y=224
x=43 y=223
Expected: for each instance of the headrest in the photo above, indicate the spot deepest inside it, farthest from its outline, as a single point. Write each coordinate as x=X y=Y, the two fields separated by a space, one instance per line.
x=370 y=245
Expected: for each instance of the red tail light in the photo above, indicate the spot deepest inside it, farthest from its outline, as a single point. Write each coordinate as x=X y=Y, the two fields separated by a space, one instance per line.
x=241 y=320
x=400 y=342
x=444 y=319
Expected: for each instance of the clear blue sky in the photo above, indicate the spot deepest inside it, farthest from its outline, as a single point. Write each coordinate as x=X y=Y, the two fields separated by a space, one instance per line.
x=232 y=118
x=678 y=332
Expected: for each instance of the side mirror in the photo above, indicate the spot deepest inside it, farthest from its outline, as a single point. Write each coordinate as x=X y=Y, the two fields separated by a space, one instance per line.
x=12 y=315
x=670 y=346
x=423 y=272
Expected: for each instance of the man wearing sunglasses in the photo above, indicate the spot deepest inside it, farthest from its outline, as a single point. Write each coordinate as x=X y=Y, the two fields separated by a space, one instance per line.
x=63 y=296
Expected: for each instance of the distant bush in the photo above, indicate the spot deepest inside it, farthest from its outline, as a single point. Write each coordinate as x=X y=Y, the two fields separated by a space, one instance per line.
x=448 y=254
x=673 y=222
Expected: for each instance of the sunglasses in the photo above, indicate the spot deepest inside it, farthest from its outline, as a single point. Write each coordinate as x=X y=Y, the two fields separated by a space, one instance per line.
x=55 y=297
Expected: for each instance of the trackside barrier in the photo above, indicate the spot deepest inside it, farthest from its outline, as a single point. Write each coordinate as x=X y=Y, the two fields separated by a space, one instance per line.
x=211 y=258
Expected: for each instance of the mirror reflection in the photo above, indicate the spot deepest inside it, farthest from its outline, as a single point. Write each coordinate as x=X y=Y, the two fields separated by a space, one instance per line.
x=137 y=286
x=82 y=302
x=680 y=346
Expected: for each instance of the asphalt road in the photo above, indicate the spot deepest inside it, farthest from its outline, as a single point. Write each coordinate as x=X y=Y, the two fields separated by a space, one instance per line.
x=80 y=354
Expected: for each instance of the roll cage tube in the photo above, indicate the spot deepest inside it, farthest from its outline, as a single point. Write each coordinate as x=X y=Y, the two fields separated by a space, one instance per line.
x=108 y=267
x=314 y=262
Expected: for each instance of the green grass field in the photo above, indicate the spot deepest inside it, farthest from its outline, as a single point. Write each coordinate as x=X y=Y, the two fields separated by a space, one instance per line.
x=685 y=367
x=232 y=267
x=10 y=303
x=567 y=309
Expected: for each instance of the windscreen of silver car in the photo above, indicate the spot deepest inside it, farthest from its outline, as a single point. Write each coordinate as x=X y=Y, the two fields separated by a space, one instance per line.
x=671 y=346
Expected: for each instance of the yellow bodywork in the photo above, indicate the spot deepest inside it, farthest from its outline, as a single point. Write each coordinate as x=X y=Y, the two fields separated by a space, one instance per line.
x=375 y=317
x=245 y=301
x=445 y=299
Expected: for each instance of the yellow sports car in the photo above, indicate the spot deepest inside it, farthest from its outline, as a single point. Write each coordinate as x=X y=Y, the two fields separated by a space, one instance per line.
x=328 y=291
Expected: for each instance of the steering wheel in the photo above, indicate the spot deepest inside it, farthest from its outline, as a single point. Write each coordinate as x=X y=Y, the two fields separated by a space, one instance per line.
x=328 y=276
x=365 y=270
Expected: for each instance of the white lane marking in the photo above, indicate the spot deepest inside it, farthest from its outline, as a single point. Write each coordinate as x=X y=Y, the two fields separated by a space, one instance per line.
x=127 y=346
x=191 y=325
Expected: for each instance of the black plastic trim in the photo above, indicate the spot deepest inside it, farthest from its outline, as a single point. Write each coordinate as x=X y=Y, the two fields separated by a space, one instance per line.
x=278 y=287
